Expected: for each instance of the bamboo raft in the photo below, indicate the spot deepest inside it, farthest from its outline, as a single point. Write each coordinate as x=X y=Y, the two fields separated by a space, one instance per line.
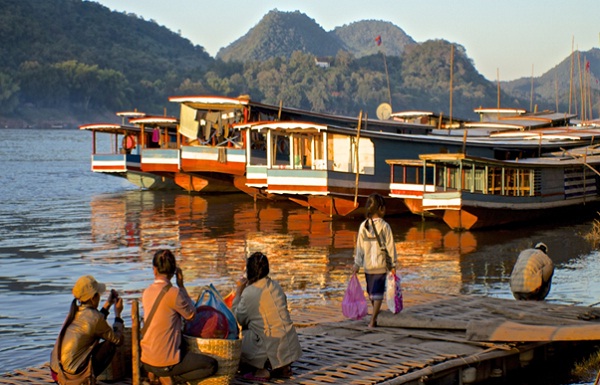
x=435 y=339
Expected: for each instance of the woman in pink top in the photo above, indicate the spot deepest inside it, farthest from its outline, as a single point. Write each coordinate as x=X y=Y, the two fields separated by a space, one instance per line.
x=162 y=350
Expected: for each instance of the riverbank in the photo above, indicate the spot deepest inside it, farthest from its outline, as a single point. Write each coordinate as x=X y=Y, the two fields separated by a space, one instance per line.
x=429 y=342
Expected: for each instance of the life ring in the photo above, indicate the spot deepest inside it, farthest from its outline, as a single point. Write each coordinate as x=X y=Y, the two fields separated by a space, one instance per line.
x=129 y=142
x=283 y=146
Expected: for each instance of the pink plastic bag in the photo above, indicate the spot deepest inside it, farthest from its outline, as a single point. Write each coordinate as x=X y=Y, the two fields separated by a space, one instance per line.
x=354 y=305
x=393 y=293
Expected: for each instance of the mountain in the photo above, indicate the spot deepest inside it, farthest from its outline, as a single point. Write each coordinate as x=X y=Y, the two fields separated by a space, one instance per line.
x=78 y=58
x=279 y=34
x=74 y=61
x=558 y=83
x=359 y=37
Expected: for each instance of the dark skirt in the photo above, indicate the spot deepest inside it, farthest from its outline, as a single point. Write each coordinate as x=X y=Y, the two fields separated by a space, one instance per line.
x=375 y=286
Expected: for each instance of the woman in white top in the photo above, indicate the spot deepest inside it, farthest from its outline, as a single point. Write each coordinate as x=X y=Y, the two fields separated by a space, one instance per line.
x=374 y=236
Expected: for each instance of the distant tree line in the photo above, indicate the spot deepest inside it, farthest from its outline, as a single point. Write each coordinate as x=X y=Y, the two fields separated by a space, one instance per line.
x=419 y=80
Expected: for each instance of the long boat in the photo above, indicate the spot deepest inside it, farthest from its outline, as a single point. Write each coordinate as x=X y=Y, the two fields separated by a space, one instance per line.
x=117 y=150
x=215 y=149
x=333 y=169
x=469 y=192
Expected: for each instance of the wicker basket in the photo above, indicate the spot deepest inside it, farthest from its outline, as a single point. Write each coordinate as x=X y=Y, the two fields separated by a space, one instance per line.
x=226 y=352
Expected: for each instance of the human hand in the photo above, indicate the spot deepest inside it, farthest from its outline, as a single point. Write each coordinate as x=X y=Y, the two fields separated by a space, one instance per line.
x=113 y=297
x=118 y=307
x=355 y=269
x=241 y=283
x=179 y=277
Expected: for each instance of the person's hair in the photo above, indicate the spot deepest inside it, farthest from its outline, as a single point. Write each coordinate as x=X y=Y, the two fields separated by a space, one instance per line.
x=257 y=267
x=375 y=202
x=70 y=317
x=164 y=261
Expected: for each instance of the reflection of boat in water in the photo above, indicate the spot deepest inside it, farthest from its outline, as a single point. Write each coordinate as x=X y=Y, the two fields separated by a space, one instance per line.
x=213 y=235
x=470 y=192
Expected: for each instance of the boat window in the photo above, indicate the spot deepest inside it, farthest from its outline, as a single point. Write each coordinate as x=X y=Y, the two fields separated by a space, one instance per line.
x=448 y=177
x=318 y=153
x=473 y=178
x=281 y=150
x=302 y=151
x=341 y=154
x=510 y=181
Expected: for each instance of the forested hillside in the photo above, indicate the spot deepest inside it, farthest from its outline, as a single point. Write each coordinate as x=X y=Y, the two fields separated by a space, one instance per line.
x=78 y=57
x=74 y=61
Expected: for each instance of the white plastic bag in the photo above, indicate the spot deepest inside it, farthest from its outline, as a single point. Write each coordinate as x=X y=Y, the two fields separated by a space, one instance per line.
x=393 y=293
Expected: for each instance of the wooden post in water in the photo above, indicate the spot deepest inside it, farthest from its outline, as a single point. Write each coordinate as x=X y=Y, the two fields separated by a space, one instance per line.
x=135 y=342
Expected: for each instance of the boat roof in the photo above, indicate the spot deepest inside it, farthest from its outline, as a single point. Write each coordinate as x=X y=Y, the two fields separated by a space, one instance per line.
x=210 y=102
x=110 y=128
x=156 y=121
x=131 y=114
x=563 y=159
x=503 y=111
x=411 y=114
x=288 y=126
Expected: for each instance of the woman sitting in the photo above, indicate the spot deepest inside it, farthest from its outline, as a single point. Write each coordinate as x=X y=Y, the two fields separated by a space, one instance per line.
x=270 y=343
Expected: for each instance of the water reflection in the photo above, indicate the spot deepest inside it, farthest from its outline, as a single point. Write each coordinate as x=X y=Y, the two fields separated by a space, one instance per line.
x=311 y=255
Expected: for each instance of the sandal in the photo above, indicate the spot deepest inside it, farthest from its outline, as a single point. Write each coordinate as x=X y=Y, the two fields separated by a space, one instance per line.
x=283 y=372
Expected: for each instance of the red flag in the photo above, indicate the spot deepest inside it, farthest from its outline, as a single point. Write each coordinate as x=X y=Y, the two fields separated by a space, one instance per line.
x=378 y=40
x=587 y=66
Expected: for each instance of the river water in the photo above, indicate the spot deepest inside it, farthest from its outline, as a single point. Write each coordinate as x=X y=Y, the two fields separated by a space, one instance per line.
x=58 y=221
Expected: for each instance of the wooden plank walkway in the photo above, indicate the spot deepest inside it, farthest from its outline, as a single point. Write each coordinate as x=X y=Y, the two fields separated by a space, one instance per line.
x=426 y=343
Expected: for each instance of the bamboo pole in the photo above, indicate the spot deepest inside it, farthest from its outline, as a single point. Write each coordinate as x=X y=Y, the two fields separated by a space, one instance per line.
x=581 y=87
x=451 y=80
x=531 y=94
x=357 y=157
x=498 y=86
x=135 y=343
x=571 y=78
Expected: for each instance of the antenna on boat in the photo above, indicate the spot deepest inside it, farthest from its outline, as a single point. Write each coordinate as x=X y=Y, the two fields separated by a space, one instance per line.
x=387 y=75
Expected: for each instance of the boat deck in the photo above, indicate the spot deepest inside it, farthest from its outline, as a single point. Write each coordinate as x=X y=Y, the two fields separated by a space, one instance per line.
x=432 y=341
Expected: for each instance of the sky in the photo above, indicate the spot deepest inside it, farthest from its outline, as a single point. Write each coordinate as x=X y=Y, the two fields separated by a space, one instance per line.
x=506 y=39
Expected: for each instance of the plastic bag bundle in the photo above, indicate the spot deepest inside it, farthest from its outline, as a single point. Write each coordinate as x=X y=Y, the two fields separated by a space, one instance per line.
x=393 y=293
x=210 y=297
x=354 y=305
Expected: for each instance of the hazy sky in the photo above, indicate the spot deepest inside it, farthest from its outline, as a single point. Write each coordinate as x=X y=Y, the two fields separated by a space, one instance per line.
x=511 y=38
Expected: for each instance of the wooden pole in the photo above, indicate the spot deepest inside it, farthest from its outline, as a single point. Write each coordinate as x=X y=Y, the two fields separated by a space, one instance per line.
x=451 y=80
x=135 y=343
x=387 y=75
x=571 y=79
x=280 y=108
x=531 y=95
x=498 y=85
x=356 y=157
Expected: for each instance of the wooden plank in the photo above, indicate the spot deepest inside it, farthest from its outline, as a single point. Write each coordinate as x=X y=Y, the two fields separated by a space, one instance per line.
x=498 y=330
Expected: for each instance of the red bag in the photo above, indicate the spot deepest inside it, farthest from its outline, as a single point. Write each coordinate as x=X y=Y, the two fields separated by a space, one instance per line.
x=354 y=305
x=208 y=323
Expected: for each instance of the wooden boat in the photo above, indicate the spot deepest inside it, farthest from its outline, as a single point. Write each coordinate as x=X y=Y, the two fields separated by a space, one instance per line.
x=120 y=153
x=215 y=148
x=470 y=192
x=316 y=165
